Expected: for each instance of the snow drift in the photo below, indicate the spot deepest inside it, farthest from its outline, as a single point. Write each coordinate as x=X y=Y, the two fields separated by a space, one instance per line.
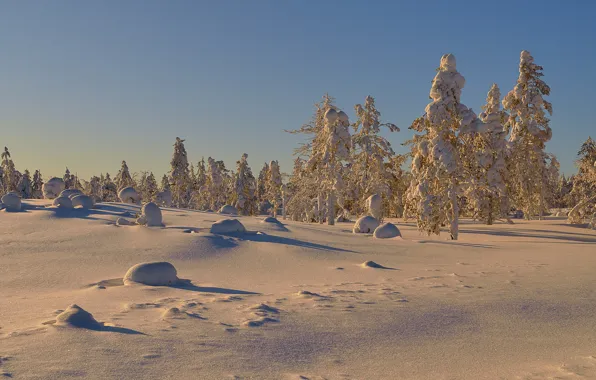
x=82 y=201
x=227 y=226
x=62 y=202
x=365 y=225
x=11 y=202
x=159 y=273
x=150 y=215
x=386 y=231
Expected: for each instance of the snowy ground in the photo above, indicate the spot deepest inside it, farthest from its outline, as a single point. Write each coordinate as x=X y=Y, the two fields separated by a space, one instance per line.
x=294 y=301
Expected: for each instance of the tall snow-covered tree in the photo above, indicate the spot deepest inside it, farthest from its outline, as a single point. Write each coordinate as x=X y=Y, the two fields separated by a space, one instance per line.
x=165 y=183
x=69 y=182
x=273 y=186
x=215 y=184
x=94 y=189
x=123 y=178
x=24 y=186
x=584 y=183
x=436 y=163
x=109 y=189
x=179 y=174
x=245 y=188
x=262 y=183
x=484 y=158
x=10 y=177
x=530 y=131
x=37 y=185
x=369 y=175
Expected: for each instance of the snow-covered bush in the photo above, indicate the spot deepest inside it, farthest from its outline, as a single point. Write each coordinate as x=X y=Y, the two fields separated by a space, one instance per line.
x=154 y=274
x=227 y=226
x=129 y=195
x=70 y=193
x=365 y=225
x=53 y=187
x=164 y=198
x=11 y=202
x=150 y=215
x=374 y=204
x=62 y=202
x=228 y=210
x=386 y=231
x=82 y=201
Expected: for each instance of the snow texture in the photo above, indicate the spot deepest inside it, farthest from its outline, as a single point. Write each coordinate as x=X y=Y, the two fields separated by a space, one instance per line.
x=227 y=226
x=53 y=187
x=386 y=231
x=129 y=195
x=159 y=273
x=11 y=202
x=365 y=225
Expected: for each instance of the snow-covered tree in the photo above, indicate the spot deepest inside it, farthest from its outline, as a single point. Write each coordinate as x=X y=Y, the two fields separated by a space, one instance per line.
x=369 y=175
x=215 y=184
x=10 y=177
x=179 y=174
x=165 y=183
x=530 y=131
x=484 y=159
x=245 y=188
x=24 y=186
x=37 y=186
x=94 y=189
x=584 y=183
x=69 y=182
x=436 y=163
x=109 y=189
x=123 y=178
x=262 y=183
x=273 y=186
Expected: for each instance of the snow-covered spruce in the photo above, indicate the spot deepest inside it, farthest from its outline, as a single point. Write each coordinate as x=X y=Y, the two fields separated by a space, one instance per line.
x=365 y=225
x=150 y=215
x=245 y=186
x=154 y=273
x=129 y=195
x=374 y=204
x=386 y=231
x=273 y=186
x=11 y=202
x=179 y=174
x=62 y=202
x=52 y=188
x=228 y=210
x=82 y=201
x=227 y=226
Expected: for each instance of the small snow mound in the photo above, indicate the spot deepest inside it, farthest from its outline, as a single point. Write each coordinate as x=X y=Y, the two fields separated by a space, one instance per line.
x=270 y=219
x=123 y=222
x=228 y=210
x=386 y=231
x=52 y=188
x=173 y=313
x=70 y=193
x=129 y=195
x=264 y=309
x=150 y=215
x=82 y=201
x=372 y=264
x=62 y=202
x=156 y=274
x=365 y=225
x=75 y=316
x=227 y=226
x=11 y=202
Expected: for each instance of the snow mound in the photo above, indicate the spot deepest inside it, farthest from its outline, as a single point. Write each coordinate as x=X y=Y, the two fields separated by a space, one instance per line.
x=123 y=222
x=11 y=202
x=159 y=273
x=129 y=195
x=150 y=215
x=386 y=231
x=173 y=313
x=270 y=219
x=70 y=193
x=75 y=316
x=52 y=188
x=372 y=264
x=365 y=225
x=228 y=210
x=83 y=201
x=62 y=202
x=226 y=226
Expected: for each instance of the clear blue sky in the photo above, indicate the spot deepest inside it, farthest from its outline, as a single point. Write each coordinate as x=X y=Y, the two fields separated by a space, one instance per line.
x=86 y=84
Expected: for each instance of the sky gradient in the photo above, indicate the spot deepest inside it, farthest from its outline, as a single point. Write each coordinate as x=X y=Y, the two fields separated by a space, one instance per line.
x=87 y=84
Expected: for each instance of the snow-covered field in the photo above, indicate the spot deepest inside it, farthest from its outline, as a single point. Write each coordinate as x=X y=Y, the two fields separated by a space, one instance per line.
x=292 y=300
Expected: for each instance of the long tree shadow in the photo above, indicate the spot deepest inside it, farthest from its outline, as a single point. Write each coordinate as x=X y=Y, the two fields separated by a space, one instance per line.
x=457 y=243
x=262 y=237
x=521 y=234
x=187 y=285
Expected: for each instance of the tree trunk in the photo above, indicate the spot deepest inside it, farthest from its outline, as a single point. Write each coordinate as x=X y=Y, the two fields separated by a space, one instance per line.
x=454 y=222
x=330 y=208
x=320 y=208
